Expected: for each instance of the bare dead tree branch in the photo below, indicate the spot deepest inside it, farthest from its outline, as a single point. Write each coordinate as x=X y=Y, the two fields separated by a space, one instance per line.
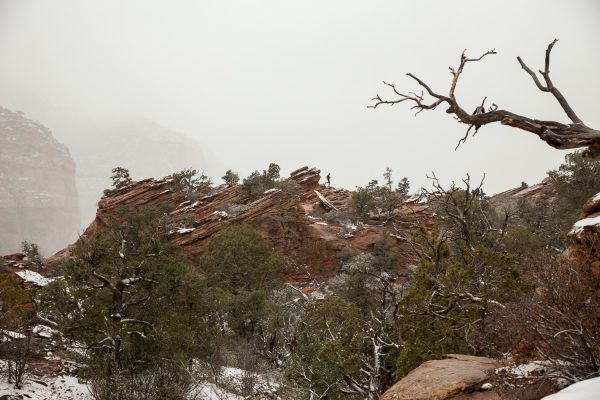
x=556 y=134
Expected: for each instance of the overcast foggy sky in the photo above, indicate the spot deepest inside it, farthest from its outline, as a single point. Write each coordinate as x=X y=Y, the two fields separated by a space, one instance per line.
x=289 y=81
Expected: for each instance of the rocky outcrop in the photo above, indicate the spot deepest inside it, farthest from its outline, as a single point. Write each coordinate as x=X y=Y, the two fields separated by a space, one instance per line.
x=591 y=207
x=309 y=227
x=586 y=236
x=510 y=199
x=140 y=145
x=456 y=377
x=544 y=188
x=38 y=198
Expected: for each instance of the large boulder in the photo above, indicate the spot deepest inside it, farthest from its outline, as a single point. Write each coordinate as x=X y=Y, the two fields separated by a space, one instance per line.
x=455 y=377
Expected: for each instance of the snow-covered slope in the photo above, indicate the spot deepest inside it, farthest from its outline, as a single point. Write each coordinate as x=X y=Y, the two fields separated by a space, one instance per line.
x=57 y=388
x=584 y=390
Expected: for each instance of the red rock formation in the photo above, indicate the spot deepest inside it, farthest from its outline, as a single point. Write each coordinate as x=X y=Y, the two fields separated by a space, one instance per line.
x=293 y=223
x=533 y=191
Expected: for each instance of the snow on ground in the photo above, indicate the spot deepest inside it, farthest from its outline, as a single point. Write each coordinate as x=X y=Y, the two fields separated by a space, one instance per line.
x=584 y=390
x=237 y=379
x=11 y=335
x=534 y=369
x=58 y=388
x=582 y=223
x=596 y=197
x=527 y=370
x=43 y=331
x=210 y=391
x=34 y=277
x=68 y=388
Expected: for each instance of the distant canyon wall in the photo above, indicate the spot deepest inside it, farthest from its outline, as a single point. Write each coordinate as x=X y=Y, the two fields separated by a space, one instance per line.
x=144 y=147
x=38 y=195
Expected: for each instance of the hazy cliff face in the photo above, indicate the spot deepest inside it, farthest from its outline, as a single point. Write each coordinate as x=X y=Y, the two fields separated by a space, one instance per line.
x=142 y=146
x=38 y=197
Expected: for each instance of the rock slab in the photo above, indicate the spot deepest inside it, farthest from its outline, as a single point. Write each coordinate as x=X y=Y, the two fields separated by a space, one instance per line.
x=457 y=376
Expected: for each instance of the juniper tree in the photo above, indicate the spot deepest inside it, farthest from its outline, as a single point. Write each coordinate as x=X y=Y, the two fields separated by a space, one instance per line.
x=243 y=277
x=231 y=178
x=120 y=177
x=129 y=297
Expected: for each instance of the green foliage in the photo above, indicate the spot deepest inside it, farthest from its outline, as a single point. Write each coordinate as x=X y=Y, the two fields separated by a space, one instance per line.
x=454 y=294
x=273 y=171
x=575 y=181
x=363 y=200
x=380 y=200
x=348 y=343
x=231 y=178
x=238 y=259
x=288 y=186
x=470 y=268
x=329 y=348
x=241 y=273
x=129 y=297
x=257 y=183
x=13 y=297
x=550 y=215
x=120 y=177
x=32 y=252
x=3 y=266
x=189 y=180
x=368 y=280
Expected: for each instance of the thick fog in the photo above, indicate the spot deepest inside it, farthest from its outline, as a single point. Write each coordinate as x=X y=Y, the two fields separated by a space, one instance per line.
x=289 y=81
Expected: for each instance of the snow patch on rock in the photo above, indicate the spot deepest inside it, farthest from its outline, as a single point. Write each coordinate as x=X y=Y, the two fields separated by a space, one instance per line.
x=579 y=226
x=34 y=278
x=183 y=231
x=11 y=335
x=221 y=214
x=43 y=331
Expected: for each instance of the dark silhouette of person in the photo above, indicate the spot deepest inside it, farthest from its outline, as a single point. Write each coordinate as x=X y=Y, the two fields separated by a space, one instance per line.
x=328 y=180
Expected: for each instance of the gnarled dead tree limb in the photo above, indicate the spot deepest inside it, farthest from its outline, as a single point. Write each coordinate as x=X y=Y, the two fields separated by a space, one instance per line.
x=558 y=135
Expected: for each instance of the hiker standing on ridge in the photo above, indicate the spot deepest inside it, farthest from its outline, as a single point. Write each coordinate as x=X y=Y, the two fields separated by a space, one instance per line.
x=328 y=180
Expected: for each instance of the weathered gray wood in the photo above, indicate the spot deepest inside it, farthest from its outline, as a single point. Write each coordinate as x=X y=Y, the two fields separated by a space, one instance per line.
x=556 y=134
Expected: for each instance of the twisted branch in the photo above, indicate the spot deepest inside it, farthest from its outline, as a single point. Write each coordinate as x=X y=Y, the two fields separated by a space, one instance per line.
x=556 y=134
